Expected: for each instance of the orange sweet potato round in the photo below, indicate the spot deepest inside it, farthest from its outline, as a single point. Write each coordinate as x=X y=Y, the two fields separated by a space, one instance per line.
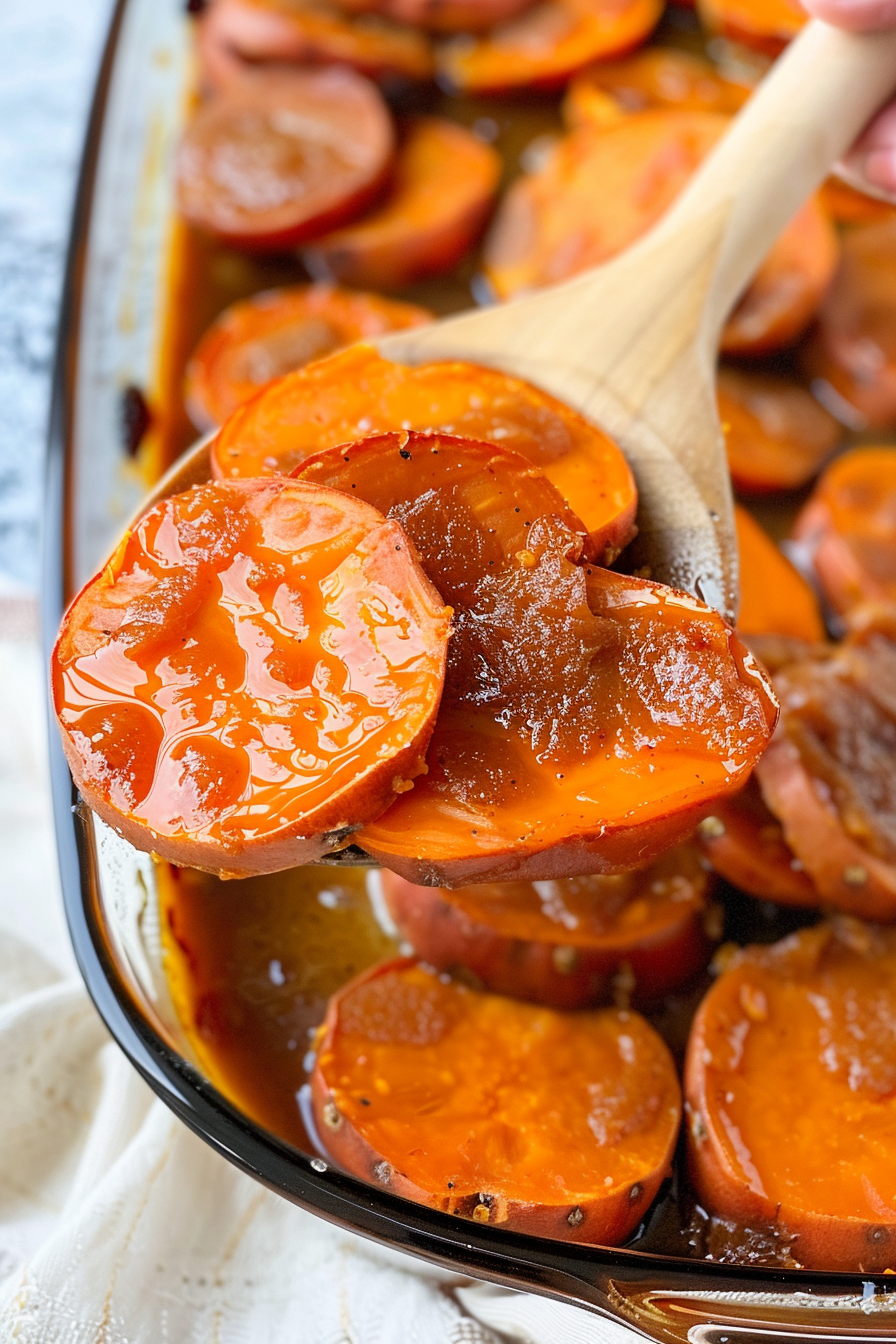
x=853 y=349
x=791 y=1093
x=254 y=674
x=568 y=944
x=775 y=599
x=442 y=16
x=767 y=25
x=745 y=844
x=588 y=721
x=546 y=45
x=357 y=392
x=283 y=155
x=830 y=773
x=601 y=189
x=557 y=1124
x=847 y=205
x=777 y=435
x=848 y=527
x=259 y=339
x=235 y=35
x=442 y=188
x=657 y=77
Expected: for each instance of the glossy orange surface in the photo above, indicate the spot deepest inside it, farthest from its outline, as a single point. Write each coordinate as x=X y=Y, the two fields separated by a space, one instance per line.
x=657 y=77
x=357 y=393
x=777 y=436
x=745 y=844
x=791 y=1087
x=441 y=192
x=255 y=673
x=775 y=599
x=557 y=1123
x=276 y=331
x=767 y=25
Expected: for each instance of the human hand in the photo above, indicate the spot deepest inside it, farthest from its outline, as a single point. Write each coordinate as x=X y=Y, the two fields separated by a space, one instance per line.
x=871 y=163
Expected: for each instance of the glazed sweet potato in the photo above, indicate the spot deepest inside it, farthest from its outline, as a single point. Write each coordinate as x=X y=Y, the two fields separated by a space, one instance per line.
x=235 y=35
x=279 y=330
x=356 y=393
x=442 y=188
x=600 y=189
x=775 y=599
x=283 y=155
x=854 y=347
x=848 y=527
x=657 y=77
x=557 y=1124
x=830 y=773
x=791 y=1093
x=568 y=944
x=767 y=25
x=254 y=674
x=777 y=436
x=745 y=844
x=546 y=45
x=442 y=16
x=588 y=721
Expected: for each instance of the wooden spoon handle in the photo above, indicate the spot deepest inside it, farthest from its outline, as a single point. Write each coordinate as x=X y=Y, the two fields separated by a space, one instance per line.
x=804 y=115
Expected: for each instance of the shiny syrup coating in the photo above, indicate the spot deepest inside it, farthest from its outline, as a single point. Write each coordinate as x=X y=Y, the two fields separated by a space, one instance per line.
x=255 y=671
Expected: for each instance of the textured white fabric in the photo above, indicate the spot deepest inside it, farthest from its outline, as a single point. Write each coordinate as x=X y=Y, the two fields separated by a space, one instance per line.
x=119 y=1226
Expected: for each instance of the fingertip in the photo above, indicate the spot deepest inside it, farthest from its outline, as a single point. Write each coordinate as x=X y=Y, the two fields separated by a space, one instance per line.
x=880 y=169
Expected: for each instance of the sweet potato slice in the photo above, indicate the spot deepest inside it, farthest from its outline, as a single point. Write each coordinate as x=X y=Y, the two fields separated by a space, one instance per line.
x=830 y=773
x=261 y=338
x=234 y=35
x=854 y=347
x=568 y=944
x=657 y=77
x=283 y=155
x=546 y=45
x=588 y=721
x=442 y=16
x=848 y=527
x=791 y=1092
x=847 y=205
x=600 y=189
x=777 y=435
x=356 y=393
x=745 y=844
x=775 y=599
x=557 y=1124
x=766 y=25
x=443 y=184
x=254 y=674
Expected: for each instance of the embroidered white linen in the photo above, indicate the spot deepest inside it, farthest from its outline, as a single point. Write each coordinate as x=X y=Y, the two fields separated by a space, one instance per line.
x=119 y=1226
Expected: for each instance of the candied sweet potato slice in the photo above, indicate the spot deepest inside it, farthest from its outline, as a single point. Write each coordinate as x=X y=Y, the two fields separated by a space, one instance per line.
x=847 y=205
x=745 y=844
x=234 y=35
x=588 y=721
x=259 y=339
x=442 y=188
x=254 y=674
x=775 y=599
x=546 y=45
x=283 y=155
x=466 y=506
x=791 y=1092
x=657 y=77
x=572 y=943
x=600 y=189
x=357 y=392
x=442 y=16
x=830 y=773
x=777 y=436
x=557 y=1124
x=853 y=349
x=848 y=527
x=766 y=25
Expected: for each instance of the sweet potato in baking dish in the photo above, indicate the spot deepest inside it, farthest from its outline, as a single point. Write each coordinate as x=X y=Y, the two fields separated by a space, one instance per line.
x=777 y=436
x=775 y=599
x=557 y=1124
x=442 y=16
x=357 y=393
x=791 y=1094
x=255 y=672
x=657 y=77
x=745 y=844
x=767 y=25
x=567 y=944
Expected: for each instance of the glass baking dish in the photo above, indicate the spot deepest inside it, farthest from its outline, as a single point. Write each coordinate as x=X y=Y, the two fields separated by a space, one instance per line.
x=110 y=332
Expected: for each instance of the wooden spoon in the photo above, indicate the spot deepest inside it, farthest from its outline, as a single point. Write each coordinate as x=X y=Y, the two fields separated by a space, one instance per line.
x=632 y=344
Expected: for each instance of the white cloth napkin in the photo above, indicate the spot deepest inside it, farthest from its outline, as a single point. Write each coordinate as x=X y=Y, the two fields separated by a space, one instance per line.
x=118 y=1225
